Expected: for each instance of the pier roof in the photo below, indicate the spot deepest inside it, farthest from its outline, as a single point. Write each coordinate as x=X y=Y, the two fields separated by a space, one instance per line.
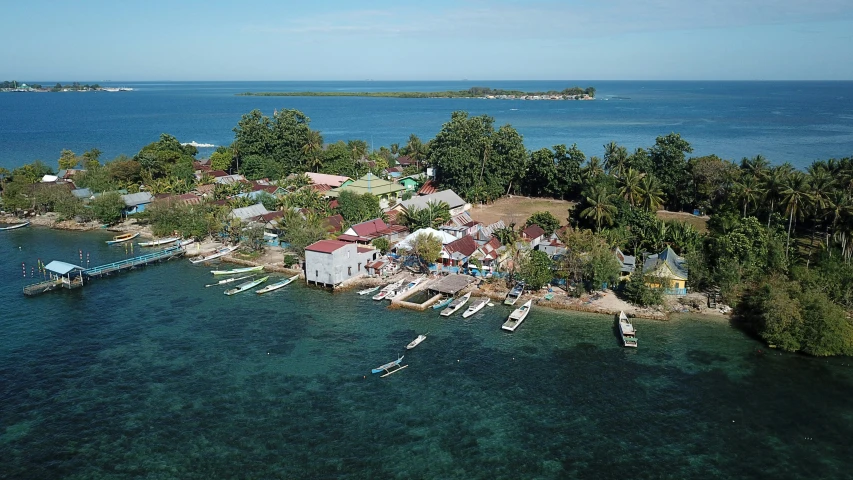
x=61 y=268
x=451 y=284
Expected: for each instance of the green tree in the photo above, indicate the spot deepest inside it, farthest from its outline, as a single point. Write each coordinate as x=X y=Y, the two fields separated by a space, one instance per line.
x=669 y=166
x=382 y=244
x=253 y=238
x=536 y=270
x=313 y=150
x=631 y=186
x=427 y=248
x=67 y=160
x=221 y=159
x=107 y=208
x=91 y=159
x=357 y=208
x=434 y=215
x=749 y=190
x=600 y=206
x=652 y=194
x=544 y=219
x=541 y=177
x=300 y=231
x=795 y=195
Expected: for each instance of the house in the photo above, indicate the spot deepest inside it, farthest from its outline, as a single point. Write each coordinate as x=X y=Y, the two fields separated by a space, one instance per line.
x=394 y=172
x=136 y=202
x=455 y=202
x=334 y=181
x=271 y=189
x=627 y=264
x=329 y=263
x=365 y=232
x=82 y=193
x=428 y=188
x=387 y=191
x=411 y=182
x=229 y=179
x=335 y=223
x=248 y=213
x=533 y=235
x=552 y=246
x=666 y=270
x=456 y=231
x=405 y=161
x=457 y=252
x=382 y=266
x=491 y=254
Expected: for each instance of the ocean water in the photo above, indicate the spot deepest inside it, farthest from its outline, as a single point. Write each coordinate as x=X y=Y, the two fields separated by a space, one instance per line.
x=149 y=374
x=795 y=122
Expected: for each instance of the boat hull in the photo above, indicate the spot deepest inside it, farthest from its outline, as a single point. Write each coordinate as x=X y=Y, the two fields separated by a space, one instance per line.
x=13 y=227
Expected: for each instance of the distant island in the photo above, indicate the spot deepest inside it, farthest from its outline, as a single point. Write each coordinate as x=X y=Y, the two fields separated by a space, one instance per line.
x=15 y=86
x=573 y=93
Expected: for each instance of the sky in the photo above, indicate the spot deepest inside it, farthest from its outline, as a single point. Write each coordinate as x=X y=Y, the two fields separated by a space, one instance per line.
x=427 y=40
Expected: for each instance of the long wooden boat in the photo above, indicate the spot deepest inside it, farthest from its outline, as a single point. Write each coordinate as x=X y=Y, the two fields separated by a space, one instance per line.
x=162 y=241
x=235 y=271
x=388 y=289
x=17 y=225
x=456 y=305
x=221 y=252
x=275 y=286
x=475 y=307
x=246 y=286
x=390 y=367
x=414 y=283
x=369 y=290
x=229 y=280
x=442 y=303
x=518 y=316
x=414 y=343
x=186 y=242
x=514 y=294
x=626 y=330
x=124 y=237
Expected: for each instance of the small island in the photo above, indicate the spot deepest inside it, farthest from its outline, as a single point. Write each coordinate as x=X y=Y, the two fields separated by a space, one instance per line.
x=573 y=93
x=15 y=86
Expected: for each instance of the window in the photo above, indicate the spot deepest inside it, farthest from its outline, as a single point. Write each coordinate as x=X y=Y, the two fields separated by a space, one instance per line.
x=316 y=273
x=349 y=271
x=359 y=267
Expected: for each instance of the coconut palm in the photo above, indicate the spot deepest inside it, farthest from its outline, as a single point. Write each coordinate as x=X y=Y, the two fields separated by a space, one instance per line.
x=773 y=184
x=795 y=196
x=630 y=189
x=395 y=149
x=756 y=166
x=601 y=208
x=615 y=159
x=749 y=190
x=839 y=213
x=312 y=150
x=651 y=193
x=416 y=149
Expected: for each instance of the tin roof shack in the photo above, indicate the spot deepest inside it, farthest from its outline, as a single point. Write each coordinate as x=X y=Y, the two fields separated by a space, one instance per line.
x=64 y=275
x=330 y=263
x=136 y=202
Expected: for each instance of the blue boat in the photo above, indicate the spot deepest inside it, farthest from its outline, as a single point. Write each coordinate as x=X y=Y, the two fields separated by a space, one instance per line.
x=442 y=303
x=390 y=367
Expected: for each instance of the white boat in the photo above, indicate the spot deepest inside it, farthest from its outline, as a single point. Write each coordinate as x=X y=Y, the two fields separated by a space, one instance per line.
x=514 y=294
x=475 y=307
x=246 y=286
x=456 y=305
x=186 y=242
x=235 y=271
x=369 y=290
x=277 y=285
x=388 y=289
x=627 y=332
x=414 y=343
x=414 y=283
x=17 y=225
x=162 y=241
x=517 y=316
x=221 y=252
x=229 y=280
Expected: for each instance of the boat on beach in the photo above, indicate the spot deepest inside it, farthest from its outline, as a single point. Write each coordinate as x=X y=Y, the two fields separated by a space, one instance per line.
x=275 y=286
x=414 y=343
x=514 y=294
x=626 y=331
x=235 y=271
x=220 y=252
x=369 y=290
x=246 y=286
x=517 y=316
x=388 y=289
x=456 y=305
x=14 y=226
x=390 y=367
x=124 y=237
x=475 y=307
x=229 y=280
x=162 y=241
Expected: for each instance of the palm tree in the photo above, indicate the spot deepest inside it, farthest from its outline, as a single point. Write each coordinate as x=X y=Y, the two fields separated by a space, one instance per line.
x=749 y=189
x=592 y=170
x=774 y=183
x=600 y=207
x=615 y=159
x=839 y=213
x=757 y=166
x=416 y=149
x=630 y=189
x=395 y=149
x=795 y=196
x=312 y=149
x=651 y=192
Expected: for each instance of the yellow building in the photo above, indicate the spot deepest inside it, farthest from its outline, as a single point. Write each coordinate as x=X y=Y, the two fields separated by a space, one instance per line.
x=666 y=270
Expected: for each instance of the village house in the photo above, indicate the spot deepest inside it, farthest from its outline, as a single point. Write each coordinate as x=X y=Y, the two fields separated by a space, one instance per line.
x=666 y=270
x=333 y=181
x=491 y=254
x=533 y=235
x=387 y=191
x=136 y=202
x=551 y=246
x=412 y=182
x=627 y=264
x=454 y=201
x=329 y=263
x=366 y=232
x=247 y=213
x=457 y=252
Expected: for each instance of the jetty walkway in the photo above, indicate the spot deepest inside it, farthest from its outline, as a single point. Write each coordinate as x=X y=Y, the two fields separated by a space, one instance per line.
x=66 y=275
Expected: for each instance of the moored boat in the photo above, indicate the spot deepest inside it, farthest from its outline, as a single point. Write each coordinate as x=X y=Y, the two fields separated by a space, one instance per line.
x=443 y=303
x=14 y=226
x=369 y=290
x=186 y=242
x=220 y=252
x=456 y=305
x=475 y=307
x=124 y=237
x=626 y=331
x=162 y=241
x=414 y=343
x=517 y=316
x=275 y=286
x=414 y=283
x=390 y=367
x=229 y=280
x=246 y=286
x=387 y=289
x=235 y=271
x=514 y=294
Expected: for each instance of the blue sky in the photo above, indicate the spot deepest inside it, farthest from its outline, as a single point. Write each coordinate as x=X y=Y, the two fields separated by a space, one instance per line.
x=435 y=40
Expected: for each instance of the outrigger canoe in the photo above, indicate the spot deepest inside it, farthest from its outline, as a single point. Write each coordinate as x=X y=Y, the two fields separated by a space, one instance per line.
x=275 y=286
x=124 y=237
x=235 y=271
x=229 y=280
x=390 y=367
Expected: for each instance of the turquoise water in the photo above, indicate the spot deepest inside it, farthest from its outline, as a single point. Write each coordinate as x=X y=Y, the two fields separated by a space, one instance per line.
x=149 y=374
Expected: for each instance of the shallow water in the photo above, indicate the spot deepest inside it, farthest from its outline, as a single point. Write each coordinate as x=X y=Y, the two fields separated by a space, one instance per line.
x=149 y=374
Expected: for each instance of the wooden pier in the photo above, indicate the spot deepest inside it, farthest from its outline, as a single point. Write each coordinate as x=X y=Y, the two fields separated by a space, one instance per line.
x=80 y=276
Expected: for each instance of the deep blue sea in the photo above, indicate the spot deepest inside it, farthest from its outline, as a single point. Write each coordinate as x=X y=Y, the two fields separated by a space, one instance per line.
x=795 y=122
x=149 y=374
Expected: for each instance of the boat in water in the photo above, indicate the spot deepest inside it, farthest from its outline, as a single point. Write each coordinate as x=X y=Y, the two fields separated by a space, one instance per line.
x=414 y=283
x=162 y=241
x=229 y=280
x=14 y=226
x=626 y=331
x=514 y=294
x=186 y=242
x=235 y=271
x=475 y=307
x=390 y=367
x=387 y=290
x=443 y=303
x=124 y=237
x=414 y=343
x=220 y=252
x=246 y=286
x=275 y=286
x=456 y=305
x=369 y=290
x=517 y=316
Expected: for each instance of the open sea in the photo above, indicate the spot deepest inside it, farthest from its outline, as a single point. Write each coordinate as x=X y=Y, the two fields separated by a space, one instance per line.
x=149 y=374
x=795 y=122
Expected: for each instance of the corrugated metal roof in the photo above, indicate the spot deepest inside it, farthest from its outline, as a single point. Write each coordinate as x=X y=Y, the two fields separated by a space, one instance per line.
x=134 y=199
x=448 y=196
x=246 y=213
x=81 y=193
x=676 y=264
x=326 y=246
x=61 y=268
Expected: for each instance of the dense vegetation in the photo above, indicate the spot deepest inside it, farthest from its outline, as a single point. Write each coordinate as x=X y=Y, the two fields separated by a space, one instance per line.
x=778 y=244
x=473 y=92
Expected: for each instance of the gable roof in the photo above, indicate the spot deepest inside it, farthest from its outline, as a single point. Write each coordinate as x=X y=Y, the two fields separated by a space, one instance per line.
x=61 y=268
x=462 y=248
x=533 y=231
x=335 y=223
x=448 y=196
x=491 y=249
x=444 y=236
x=676 y=264
x=326 y=179
x=251 y=211
x=428 y=187
x=626 y=262
x=369 y=183
x=326 y=246
x=369 y=227
x=134 y=199
x=81 y=193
